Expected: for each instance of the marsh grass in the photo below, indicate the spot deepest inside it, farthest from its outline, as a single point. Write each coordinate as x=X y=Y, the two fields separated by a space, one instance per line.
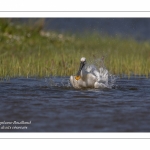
x=27 y=51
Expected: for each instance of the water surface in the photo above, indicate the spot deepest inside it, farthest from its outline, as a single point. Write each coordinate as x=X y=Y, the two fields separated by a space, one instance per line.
x=57 y=107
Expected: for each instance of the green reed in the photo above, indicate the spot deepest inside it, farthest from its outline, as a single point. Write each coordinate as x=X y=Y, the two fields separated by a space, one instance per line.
x=27 y=50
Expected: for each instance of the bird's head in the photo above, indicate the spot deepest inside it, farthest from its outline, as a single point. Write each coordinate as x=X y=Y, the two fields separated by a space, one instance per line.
x=82 y=64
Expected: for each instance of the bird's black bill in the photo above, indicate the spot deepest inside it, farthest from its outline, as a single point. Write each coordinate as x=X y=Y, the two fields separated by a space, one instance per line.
x=80 y=68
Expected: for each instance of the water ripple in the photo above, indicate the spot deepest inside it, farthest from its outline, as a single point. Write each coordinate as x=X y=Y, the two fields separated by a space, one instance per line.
x=64 y=109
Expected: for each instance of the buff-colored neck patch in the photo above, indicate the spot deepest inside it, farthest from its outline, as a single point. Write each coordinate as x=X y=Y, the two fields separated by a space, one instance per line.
x=77 y=77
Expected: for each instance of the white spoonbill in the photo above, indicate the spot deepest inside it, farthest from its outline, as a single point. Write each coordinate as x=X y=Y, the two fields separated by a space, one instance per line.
x=87 y=78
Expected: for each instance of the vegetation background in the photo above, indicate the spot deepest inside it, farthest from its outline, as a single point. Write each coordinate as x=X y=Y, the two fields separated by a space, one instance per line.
x=27 y=49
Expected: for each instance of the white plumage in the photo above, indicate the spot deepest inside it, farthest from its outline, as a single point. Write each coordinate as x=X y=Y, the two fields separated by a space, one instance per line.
x=89 y=77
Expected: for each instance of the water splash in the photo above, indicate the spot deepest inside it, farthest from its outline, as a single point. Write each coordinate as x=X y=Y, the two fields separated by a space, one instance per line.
x=54 y=81
x=96 y=67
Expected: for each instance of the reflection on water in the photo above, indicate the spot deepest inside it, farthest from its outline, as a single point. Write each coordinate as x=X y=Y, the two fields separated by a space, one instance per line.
x=61 y=108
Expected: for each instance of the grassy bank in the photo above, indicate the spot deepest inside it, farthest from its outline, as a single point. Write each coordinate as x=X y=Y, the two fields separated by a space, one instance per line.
x=26 y=50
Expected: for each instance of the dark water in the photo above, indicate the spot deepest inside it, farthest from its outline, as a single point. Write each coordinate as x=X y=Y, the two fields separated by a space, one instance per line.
x=138 y=28
x=60 y=108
